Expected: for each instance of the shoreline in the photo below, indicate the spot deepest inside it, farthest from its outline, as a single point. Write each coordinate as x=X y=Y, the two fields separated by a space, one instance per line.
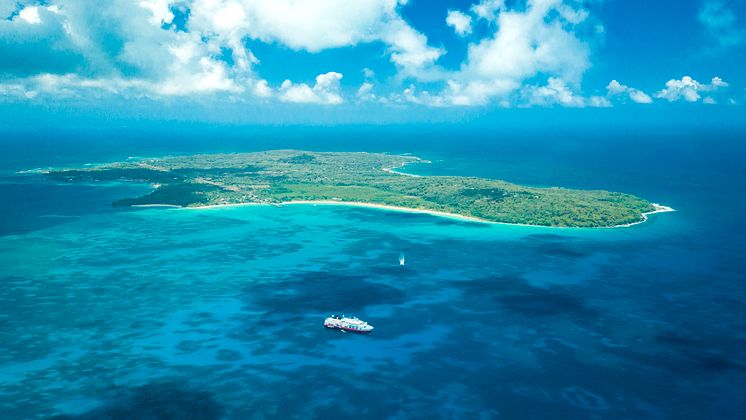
x=350 y=204
x=394 y=171
x=658 y=209
x=157 y=205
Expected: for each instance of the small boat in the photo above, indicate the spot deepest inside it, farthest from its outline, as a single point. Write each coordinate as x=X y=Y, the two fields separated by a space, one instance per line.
x=346 y=323
x=401 y=258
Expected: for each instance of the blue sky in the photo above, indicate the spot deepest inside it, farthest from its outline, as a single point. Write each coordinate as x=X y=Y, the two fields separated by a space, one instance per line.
x=337 y=61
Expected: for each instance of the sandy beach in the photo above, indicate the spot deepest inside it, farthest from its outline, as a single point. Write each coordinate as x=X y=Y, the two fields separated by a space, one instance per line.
x=658 y=209
x=157 y=205
x=352 y=204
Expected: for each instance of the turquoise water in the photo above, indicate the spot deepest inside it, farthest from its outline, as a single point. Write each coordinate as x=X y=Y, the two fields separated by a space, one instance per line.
x=218 y=313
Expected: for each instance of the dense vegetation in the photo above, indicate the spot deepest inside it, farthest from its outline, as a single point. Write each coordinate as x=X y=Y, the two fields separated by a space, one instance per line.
x=287 y=175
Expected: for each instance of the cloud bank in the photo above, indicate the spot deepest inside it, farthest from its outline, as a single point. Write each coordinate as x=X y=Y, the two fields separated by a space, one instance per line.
x=517 y=54
x=690 y=90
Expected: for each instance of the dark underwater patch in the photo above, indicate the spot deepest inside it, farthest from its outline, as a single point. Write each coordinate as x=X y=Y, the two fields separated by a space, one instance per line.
x=703 y=354
x=680 y=355
x=157 y=401
x=537 y=302
x=321 y=292
x=514 y=294
x=558 y=249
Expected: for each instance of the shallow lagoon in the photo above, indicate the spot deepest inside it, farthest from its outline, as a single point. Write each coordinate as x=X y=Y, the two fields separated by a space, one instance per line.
x=218 y=313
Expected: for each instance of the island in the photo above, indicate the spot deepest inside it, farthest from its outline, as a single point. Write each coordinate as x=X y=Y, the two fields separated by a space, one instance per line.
x=280 y=177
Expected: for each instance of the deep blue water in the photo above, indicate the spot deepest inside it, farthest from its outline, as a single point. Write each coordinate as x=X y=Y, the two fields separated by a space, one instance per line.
x=115 y=313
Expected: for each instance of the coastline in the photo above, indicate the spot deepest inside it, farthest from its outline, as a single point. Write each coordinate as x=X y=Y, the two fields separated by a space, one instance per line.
x=658 y=209
x=351 y=204
x=395 y=172
x=157 y=205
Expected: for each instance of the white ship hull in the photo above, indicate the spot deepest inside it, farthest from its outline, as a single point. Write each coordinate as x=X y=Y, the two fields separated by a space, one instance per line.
x=348 y=324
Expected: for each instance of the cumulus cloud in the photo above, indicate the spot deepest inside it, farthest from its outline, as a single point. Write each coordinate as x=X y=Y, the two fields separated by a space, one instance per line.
x=420 y=97
x=615 y=88
x=536 y=40
x=688 y=89
x=556 y=92
x=460 y=22
x=142 y=44
x=488 y=9
x=64 y=47
x=410 y=52
x=201 y=47
x=324 y=91
x=365 y=92
x=29 y=14
x=318 y=25
x=525 y=41
x=262 y=89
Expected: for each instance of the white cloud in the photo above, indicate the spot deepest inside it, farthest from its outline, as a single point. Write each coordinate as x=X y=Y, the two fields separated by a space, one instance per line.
x=640 y=97
x=30 y=14
x=134 y=48
x=325 y=91
x=460 y=22
x=262 y=89
x=718 y=82
x=555 y=92
x=73 y=84
x=688 y=89
x=160 y=10
x=413 y=96
x=211 y=80
x=598 y=102
x=410 y=52
x=16 y=90
x=209 y=77
x=615 y=88
x=139 y=42
x=571 y=15
x=488 y=9
x=365 y=92
x=316 y=26
x=538 y=40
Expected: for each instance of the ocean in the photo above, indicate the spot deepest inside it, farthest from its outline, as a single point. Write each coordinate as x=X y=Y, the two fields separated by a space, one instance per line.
x=218 y=313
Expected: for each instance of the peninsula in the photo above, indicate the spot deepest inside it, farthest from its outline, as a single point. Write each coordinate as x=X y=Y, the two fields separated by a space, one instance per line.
x=291 y=176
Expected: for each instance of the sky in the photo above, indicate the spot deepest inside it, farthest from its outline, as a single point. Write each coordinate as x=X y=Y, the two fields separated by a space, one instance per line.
x=381 y=61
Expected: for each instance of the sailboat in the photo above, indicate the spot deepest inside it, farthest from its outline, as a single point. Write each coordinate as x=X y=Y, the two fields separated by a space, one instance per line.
x=401 y=258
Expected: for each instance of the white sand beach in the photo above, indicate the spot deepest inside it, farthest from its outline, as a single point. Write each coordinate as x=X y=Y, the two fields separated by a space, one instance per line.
x=658 y=209
x=353 y=204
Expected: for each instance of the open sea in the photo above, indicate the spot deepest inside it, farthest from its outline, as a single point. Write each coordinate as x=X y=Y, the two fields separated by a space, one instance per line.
x=218 y=313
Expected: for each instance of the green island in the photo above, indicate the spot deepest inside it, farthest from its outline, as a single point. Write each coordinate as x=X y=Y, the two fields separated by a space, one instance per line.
x=291 y=176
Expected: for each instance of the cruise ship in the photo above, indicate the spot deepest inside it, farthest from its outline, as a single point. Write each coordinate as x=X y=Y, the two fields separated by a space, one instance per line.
x=346 y=323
